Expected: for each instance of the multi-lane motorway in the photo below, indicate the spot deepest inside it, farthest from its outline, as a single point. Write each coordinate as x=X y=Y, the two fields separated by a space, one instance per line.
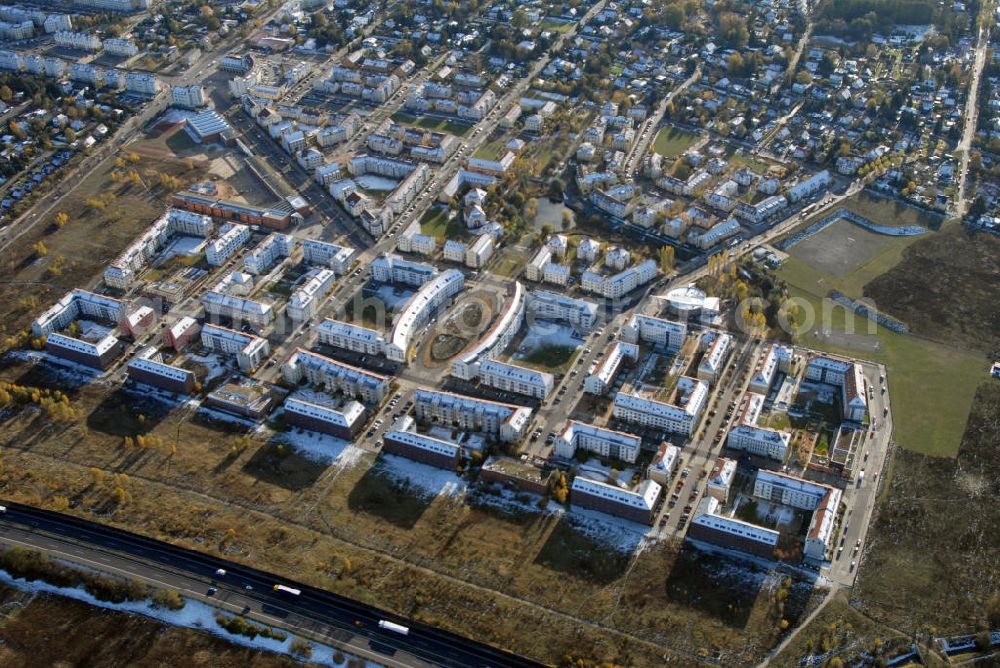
x=315 y=613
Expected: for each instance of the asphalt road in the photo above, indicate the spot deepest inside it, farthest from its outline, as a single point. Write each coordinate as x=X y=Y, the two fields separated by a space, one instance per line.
x=317 y=614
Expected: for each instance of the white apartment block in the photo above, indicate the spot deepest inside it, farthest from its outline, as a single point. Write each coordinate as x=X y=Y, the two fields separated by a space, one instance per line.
x=188 y=97
x=479 y=252
x=713 y=362
x=121 y=273
x=823 y=500
x=15 y=31
x=77 y=40
x=454 y=251
x=579 y=313
x=269 y=252
x=335 y=376
x=418 y=310
x=761 y=211
x=536 y=266
x=237 y=309
x=602 y=376
x=814 y=184
x=496 y=340
x=602 y=442
x=654 y=331
x=351 y=337
x=390 y=268
x=756 y=440
x=249 y=350
x=422 y=244
x=557 y=274
x=773 y=358
x=305 y=301
x=76 y=304
x=680 y=417
x=142 y=83
x=326 y=254
x=11 y=60
x=664 y=463
x=845 y=375
x=720 y=480
x=234 y=236
x=619 y=285
x=57 y=22
x=507 y=421
x=516 y=379
x=121 y=46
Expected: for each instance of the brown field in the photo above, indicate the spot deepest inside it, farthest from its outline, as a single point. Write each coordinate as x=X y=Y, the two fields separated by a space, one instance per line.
x=947 y=288
x=42 y=630
x=932 y=556
x=91 y=238
x=497 y=574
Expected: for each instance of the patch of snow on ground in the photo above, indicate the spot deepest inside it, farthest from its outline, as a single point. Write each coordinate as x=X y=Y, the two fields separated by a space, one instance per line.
x=372 y=182
x=621 y=534
x=92 y=331
x=429 y=479
x=194 y=615
x=69 y=373
x=184 y=246
x=510 y=500
x=393 y=297
x=595 y=470
x=222 y=416
x=216 y=366
x=542 y=333
x=320 y=447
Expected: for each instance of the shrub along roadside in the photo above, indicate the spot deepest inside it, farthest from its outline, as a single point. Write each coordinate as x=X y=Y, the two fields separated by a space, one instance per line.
x=32 y=565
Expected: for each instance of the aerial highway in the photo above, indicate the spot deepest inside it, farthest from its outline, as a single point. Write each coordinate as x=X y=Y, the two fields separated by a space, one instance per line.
x=314 y=613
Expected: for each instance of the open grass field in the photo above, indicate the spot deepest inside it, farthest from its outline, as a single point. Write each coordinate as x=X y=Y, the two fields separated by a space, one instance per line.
x=433 y=124
x=556 y=26
x=842 y=257
x=551 y=358
x=436 y=223
x=529 y=581
x=509 y=263
x=491 y=150
x=670 y=142
x=938 y=283
x=90 y=238
x=931 y=384
x=43 y=630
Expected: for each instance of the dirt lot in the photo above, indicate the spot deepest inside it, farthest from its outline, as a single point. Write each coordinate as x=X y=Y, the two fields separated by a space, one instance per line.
x=52 y=631
x=840 y=248
x=76 y=254
x=934 y=554
x=496 y=572
x=947 y=288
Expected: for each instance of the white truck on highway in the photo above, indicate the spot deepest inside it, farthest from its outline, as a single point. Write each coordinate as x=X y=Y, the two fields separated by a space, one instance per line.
x=386 y=625
x=287 y=590
x=861 y=478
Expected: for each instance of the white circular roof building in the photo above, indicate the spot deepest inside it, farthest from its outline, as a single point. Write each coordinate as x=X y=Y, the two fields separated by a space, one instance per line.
x=686 y=300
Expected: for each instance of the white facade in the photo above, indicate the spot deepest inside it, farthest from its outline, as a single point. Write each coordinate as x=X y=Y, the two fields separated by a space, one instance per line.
x=680 y=417
x=324 y=253
x=516 y=379
x=619 y=285
x=748 y=436
x=249 y=350
x=507 y=421
x=496 y=340
x=305 y=301
x=417 y=311
x=655 y=331
x=389 y=268
x=188 y=97
x=234 y=236
x=602 y=442
x=351 y=337
x=580 y=313
x=599 y=379
x=268 y=253
x=75 y=304
x=119 y=46
x=713 y=362
x=335 y=376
